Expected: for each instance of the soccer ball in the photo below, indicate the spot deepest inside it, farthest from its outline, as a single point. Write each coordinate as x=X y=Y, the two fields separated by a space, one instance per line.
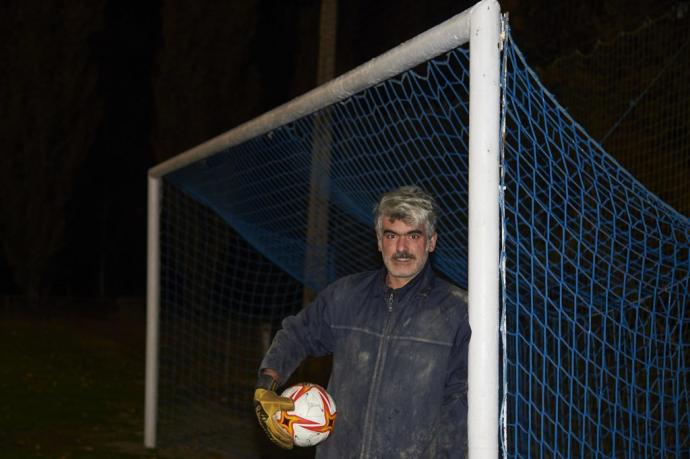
x=313 y=418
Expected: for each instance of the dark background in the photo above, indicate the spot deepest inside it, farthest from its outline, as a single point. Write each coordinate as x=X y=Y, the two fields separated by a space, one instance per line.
x=96 y=92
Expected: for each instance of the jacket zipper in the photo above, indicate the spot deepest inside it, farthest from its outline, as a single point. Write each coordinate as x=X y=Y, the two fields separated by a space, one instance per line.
x=380 y=358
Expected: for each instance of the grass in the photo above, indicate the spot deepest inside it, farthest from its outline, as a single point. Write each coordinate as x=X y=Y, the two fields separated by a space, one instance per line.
x=72 y=387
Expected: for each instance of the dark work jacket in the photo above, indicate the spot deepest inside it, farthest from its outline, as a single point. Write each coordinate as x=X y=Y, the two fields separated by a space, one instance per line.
x=399 y=377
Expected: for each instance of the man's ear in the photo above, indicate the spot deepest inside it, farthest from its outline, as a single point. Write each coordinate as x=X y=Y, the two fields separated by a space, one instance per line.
x=432 y=243
x=378 y=242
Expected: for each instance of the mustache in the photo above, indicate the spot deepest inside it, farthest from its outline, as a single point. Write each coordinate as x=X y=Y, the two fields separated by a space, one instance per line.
x=406 y=255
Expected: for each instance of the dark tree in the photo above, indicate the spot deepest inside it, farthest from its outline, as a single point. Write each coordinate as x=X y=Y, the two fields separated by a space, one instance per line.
x=50 y=111
x=222 y=63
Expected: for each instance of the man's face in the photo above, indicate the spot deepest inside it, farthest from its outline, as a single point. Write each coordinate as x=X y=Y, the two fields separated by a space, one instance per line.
x=405 y=250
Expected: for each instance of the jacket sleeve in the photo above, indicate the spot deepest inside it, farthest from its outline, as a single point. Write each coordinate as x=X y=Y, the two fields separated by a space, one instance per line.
x=308 y=333
x=450 y=437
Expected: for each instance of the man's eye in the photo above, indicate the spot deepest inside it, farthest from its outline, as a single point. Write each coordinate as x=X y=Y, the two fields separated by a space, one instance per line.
x=390 y=236
x=414 y=236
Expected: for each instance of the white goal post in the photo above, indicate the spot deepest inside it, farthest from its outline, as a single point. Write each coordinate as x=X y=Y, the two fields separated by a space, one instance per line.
x=481 y=26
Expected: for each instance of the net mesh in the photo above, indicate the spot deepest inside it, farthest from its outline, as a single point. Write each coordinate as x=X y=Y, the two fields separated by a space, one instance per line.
x=595 y=344
x=631 y=93
x=221 y=299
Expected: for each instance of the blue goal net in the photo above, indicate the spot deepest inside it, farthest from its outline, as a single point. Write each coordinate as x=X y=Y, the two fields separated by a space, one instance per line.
x=595 y=353
x=596 y=314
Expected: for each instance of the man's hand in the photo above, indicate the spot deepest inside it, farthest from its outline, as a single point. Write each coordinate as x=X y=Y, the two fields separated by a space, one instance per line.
x=266 y=404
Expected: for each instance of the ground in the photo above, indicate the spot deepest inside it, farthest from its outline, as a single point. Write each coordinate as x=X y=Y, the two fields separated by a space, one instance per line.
x=72 y=384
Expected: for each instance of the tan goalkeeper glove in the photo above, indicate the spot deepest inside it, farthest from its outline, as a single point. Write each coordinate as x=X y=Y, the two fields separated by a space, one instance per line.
x=266 y=404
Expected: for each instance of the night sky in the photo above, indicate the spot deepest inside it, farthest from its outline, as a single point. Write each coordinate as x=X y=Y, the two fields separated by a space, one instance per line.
x=163 y=76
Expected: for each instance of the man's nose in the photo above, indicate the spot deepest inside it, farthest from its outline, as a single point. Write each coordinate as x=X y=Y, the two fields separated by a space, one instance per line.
x=401 y=243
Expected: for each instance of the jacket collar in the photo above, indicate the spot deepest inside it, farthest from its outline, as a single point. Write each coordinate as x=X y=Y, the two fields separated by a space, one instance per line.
x=421 y=283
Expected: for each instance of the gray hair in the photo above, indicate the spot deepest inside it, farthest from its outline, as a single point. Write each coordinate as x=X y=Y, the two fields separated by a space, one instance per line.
x=410 y=204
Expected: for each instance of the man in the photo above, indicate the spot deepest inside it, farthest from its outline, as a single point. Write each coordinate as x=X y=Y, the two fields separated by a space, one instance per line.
x=399 y=339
